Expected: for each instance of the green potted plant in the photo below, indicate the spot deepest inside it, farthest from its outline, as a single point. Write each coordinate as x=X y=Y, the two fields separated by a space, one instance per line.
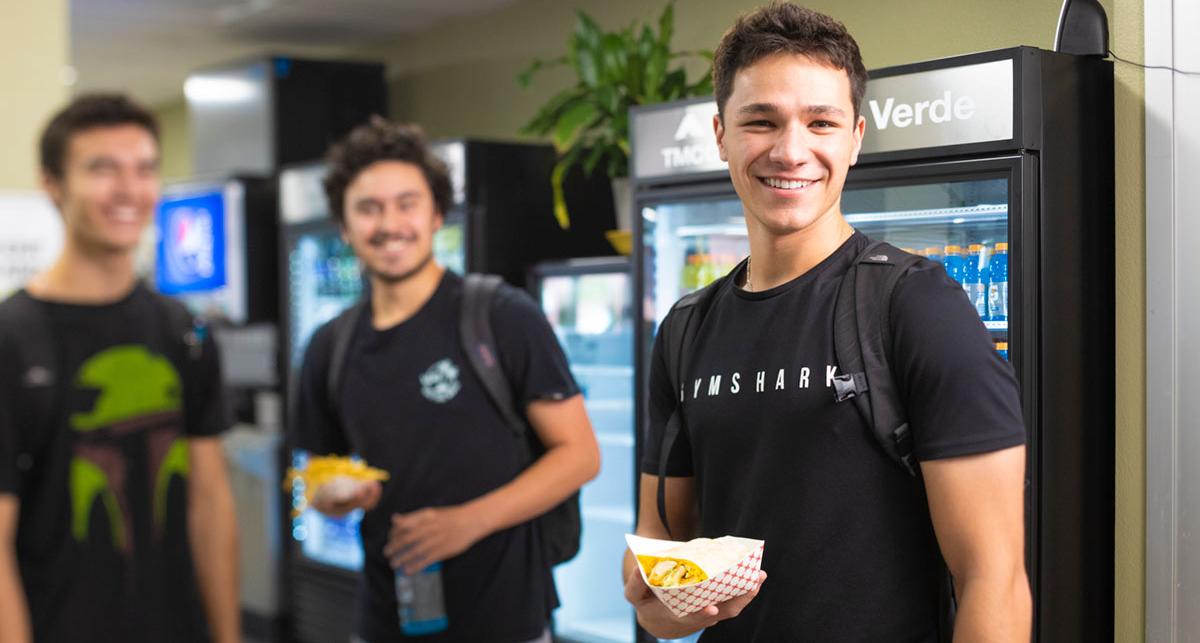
x=589 y=122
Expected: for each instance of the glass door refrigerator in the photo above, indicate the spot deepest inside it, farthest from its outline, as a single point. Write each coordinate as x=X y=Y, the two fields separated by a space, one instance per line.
x=589 y=304
x=999 y=165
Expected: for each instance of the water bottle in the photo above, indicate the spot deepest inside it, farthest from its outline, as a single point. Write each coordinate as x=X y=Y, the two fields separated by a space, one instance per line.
x=1002 y=348
x=998 y=284
x=933 y=254
x=975 y=279
x=419 y=600
x=955 y=263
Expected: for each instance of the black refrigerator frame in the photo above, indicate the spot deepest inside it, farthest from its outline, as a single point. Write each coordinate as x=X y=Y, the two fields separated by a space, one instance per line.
x=1060 y=165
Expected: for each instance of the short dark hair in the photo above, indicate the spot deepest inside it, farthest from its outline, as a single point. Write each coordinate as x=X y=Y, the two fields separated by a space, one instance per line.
x=84 y=113
x=786 y=28
x=380 y=140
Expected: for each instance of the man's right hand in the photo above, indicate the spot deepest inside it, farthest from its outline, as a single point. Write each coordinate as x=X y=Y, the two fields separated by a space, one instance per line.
x=655 y=618
x=339 y=497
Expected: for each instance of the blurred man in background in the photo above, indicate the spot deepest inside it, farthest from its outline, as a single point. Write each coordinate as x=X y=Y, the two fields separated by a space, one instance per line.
x=116 y=517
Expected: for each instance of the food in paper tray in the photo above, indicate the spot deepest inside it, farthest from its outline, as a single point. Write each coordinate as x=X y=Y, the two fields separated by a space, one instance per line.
x=689 y=576
x=342 y=473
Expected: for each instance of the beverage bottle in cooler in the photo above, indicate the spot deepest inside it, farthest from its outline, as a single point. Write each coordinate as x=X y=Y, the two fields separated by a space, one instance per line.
x=933 y=254
x=955 y=263
x=1002 y=348
x=998 y=284
x=419 y=601
x=975 y=280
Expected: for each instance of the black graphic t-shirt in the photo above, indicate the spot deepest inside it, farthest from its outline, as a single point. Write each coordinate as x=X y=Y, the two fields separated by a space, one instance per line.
x=411 y=404
x=101 y=469
x=850 y=548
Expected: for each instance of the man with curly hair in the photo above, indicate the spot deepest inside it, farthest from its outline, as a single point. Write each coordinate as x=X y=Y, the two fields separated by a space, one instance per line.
x=409 y=403
x=854 y=544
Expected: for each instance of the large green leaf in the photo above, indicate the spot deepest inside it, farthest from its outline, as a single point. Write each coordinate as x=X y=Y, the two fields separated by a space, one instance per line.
x=666 y=25
x=547 y=117
x=526 y=75
x=572 y=120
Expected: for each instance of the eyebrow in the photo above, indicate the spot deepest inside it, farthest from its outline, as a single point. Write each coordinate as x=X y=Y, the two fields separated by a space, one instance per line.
x=771 y=108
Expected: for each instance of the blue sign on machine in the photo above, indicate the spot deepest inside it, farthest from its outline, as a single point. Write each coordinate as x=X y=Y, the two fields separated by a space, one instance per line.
x=191 y=244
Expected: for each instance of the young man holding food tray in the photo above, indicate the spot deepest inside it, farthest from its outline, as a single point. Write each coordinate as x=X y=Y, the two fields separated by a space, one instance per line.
x=854 y=544
x=409 y=404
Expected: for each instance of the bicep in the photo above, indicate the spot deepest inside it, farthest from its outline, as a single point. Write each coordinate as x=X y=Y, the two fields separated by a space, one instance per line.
x=206 y=462
x=682 y=508
x=976 y=503
x=559 y=422
x=10 y=507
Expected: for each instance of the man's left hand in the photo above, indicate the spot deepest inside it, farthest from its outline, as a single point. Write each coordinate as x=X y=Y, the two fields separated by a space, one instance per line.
x=424 y=537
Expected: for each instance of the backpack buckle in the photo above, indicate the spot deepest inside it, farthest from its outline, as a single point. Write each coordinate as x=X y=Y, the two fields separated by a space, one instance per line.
x=848 y=385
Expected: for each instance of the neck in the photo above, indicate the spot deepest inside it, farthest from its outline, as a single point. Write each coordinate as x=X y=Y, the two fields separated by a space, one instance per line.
x=778 y=259
x=393 y=302
x=83 y=275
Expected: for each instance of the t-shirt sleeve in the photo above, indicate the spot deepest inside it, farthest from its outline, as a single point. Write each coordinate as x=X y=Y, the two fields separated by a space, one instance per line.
x=529 y=351
x=312 y=422
x=961 y=396
x=663 y=400
x=10 y=439
x=206 y=411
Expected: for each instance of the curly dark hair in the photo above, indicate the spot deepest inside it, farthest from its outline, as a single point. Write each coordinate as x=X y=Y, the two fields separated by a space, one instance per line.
x=380 y=140
x=83 y=113
x=783 y=27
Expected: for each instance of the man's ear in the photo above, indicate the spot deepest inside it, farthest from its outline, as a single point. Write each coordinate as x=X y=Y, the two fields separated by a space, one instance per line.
x=53 y=187
x=860 y=130
x=719 y=131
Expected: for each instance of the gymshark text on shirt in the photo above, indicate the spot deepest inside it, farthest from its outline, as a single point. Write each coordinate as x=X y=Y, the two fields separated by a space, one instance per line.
x=756 y=382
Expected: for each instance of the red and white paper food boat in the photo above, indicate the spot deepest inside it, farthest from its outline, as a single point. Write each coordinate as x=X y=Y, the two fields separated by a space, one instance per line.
x=730 y=563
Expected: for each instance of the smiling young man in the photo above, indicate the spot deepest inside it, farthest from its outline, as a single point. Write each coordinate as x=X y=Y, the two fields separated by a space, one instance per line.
x=116 y=517
x=409 y=403
x=854 y=544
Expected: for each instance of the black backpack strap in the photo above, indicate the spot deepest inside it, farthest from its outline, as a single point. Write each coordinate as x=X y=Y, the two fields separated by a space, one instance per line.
x=862 y=340
x=343 y=327
x=24 y=321
x=679 y=332
x=479 y=344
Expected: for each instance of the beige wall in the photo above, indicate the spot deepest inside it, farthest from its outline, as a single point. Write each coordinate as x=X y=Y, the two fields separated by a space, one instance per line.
x=176 y=133
x=34 y=49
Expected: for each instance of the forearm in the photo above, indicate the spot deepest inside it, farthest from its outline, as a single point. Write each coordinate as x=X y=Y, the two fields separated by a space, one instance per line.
x=212 y=528
x=14 y=612
x=541 y=486
x=993 y=608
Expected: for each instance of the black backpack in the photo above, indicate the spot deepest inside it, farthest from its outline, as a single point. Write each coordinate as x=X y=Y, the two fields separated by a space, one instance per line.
x=560 y=527
x=23 y=318
x=861 y=340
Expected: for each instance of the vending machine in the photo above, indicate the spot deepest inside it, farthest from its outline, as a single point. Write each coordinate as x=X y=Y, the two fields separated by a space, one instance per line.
x=1000 y=165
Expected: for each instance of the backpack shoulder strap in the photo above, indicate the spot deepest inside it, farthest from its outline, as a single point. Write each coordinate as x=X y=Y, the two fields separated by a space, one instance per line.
x=679 y=332
x=479 y=345
x=343 y=327
x=26 y=324
x=862 y=341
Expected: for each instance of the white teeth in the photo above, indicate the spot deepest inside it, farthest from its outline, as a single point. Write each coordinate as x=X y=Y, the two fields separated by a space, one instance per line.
x=125 y=215
x=786 y=185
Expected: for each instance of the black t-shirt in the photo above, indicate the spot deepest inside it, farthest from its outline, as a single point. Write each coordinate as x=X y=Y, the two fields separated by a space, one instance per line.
x=411 y=404
x=102 y=537
x=850 y=547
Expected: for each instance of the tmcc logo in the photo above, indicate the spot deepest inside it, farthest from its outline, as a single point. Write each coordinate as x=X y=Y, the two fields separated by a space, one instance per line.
x=902 y=115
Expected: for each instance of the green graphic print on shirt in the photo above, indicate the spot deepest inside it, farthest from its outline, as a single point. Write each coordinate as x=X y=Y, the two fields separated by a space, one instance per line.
x=140 y=398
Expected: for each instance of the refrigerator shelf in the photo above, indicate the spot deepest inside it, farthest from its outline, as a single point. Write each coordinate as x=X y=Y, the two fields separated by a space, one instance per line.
x=620 y=514
x=735 y=228
x=996 y=325
x=602 y=370
x=607 y=439
x=982 y=213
